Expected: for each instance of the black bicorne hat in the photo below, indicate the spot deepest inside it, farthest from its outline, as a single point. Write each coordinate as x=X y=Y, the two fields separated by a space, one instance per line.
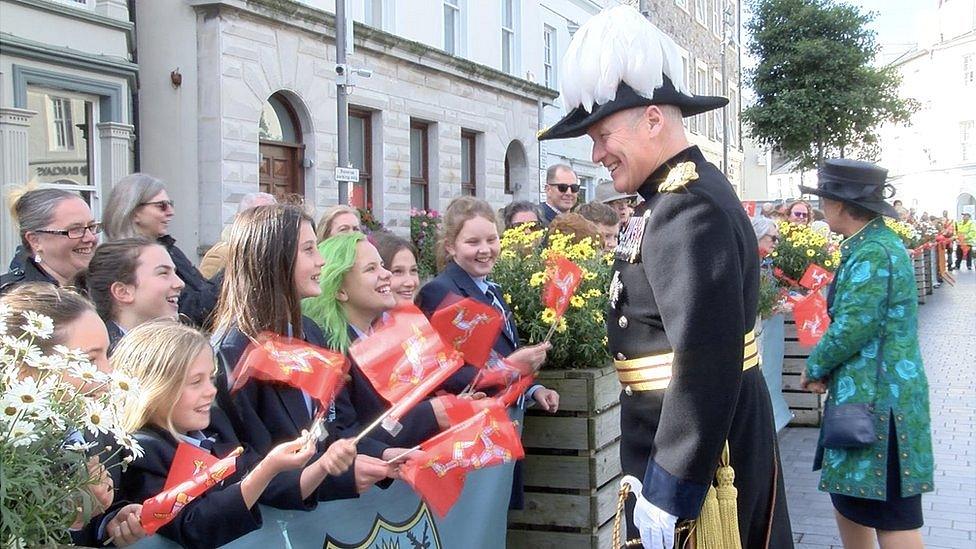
x=856 y=182
x=578 y=120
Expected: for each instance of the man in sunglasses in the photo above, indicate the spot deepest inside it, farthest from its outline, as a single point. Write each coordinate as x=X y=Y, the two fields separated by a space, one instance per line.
x=562 y=190
x=683 y=295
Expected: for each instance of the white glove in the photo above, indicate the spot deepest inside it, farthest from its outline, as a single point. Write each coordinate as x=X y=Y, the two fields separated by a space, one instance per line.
x=656 y=526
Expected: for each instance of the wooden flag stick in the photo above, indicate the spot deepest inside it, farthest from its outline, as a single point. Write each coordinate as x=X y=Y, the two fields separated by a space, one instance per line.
x=414 y=449
x=552 y=329
x=373 y=425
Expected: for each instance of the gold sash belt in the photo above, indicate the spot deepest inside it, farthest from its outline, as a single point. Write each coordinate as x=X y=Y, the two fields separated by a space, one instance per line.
x=653 y=372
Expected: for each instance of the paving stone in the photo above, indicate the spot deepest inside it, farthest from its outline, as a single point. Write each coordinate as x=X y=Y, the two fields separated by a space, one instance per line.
x=947 y=334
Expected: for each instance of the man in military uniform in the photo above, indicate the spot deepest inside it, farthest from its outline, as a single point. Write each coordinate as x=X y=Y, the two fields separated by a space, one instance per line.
x=682 y=303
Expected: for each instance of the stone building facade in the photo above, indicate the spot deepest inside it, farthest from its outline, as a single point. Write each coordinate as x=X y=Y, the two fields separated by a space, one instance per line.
x=66 y=120
x=256 y=108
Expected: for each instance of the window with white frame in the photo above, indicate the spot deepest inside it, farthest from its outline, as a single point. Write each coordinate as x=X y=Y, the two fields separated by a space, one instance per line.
x=549 y=55
x=686 y=78
x=509 y=36
x=700 y=14
x=702 y=89
x=969 y=70
x=967 y=140
x=683 y=4
x=717 y=17
x=452 y=26
x=733 y=119
x=717 y=113
x=62 y=132
x=374 y=13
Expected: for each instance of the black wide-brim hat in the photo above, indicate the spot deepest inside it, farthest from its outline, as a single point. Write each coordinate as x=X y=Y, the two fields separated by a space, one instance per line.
x=856 y=182
x=578 y=120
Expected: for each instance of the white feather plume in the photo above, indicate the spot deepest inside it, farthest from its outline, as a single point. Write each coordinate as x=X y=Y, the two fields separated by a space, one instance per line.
x=618 y=45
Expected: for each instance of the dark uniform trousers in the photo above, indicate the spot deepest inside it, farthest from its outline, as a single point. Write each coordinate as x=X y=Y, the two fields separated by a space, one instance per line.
x=690 y=288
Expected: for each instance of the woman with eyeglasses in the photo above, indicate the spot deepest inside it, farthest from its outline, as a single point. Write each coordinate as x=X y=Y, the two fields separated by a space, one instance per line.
x=57 y=233
x=139 y=206
x=799 y=212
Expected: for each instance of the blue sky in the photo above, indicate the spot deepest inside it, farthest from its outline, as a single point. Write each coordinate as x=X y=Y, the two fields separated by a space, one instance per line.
x=896 y=21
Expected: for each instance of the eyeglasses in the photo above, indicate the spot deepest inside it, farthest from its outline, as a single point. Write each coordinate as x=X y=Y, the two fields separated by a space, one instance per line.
x=800 y=215
x=773 y=239
x=74 y=232
x=563 y=187
x=161 y=204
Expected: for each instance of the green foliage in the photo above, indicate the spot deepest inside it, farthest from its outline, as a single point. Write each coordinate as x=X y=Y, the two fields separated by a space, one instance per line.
x=769 y=293
x=423 y=232
x=816 y=89
x=580 y=337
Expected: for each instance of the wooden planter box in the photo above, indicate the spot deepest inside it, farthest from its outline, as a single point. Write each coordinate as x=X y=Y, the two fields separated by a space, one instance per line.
x=807 y=407
x=572 y=464
x=928 y=259
x=919 y=265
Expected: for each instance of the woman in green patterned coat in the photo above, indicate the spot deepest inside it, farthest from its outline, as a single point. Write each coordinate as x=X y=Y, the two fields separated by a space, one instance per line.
x=876 y=490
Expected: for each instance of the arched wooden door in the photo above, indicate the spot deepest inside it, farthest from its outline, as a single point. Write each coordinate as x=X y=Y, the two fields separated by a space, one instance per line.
x=281 y=171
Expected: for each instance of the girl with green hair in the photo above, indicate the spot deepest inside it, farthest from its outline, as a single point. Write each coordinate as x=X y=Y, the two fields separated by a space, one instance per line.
x=355 y=294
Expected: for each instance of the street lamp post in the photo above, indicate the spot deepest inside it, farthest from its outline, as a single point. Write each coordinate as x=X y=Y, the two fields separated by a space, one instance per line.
x=342 y=97
x=726 y=23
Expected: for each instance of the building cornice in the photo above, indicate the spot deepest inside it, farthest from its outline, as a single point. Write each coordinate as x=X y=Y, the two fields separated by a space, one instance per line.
x=67 y=10
x=15 y=45
x=376 y=41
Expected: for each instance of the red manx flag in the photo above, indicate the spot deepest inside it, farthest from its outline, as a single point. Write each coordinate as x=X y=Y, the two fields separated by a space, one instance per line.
x=812 y=321
x=750 y=208
x=562 y=278
x=405 y=360
x=815 y=277
x=187 y=462
x=159 y=510
x=485 y=440
x=513 y=392
x=272 y=357
x=500 y=372
x=470 y=326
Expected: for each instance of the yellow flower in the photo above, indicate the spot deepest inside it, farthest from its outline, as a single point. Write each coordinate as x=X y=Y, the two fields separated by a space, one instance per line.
x=605 y=341
x=598 y=317
x=810 y=253
x=537 y=279
x=561 y=327
x=773 y=253
x=589 y=275
x=590 y=294
x=577 y=301
x=828 y=263
x=549 y=315
x=507 y=297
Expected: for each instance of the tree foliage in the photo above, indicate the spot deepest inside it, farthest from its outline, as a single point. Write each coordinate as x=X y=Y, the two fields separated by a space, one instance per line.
x=817 y=92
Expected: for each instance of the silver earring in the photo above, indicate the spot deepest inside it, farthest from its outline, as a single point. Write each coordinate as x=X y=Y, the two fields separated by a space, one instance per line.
x=37 y=257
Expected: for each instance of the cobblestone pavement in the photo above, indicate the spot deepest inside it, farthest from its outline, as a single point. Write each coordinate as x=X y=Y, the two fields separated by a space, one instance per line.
x=947 y=333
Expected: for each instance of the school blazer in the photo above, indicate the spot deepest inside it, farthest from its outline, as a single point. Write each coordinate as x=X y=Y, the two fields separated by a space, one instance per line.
x=215 y=518
x=265 y=413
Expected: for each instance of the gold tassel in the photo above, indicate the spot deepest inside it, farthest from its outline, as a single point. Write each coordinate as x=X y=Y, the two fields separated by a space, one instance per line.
x=718 y=524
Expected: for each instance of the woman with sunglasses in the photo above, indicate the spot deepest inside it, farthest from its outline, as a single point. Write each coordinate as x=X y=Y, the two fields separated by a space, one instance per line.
x=57 y=233
x=799 y=212
x=139 y=206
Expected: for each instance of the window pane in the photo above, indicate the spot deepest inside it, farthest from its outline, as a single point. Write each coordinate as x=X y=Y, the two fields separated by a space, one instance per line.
x=58 y=138
x=357 y=142
x=508 y=13
x=506 y=52
x=466 y=160
x=449 y=45
x=416 y=152
x=417 y=196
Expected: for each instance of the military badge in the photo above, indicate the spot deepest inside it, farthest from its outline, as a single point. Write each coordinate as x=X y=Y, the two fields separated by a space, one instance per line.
x=628 y=249
x=616 y=289
x=678 y=178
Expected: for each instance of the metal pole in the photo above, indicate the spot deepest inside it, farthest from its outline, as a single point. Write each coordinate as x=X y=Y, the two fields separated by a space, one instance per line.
x=342 y=97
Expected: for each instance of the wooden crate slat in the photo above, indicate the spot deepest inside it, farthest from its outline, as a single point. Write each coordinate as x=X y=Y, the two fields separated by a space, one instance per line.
x=802 y=400
x=579 y=472
x=580 y=510
x=806 y=418
x=583 y=395
x=794 y=349
x=791 y=382
x=518 y=538
x=794 y=365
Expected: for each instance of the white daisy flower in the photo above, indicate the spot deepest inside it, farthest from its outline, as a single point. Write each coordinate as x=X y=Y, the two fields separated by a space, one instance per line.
x=86 y=372
x=38 y=325
x=71 y=355
x=19 y=347
x=96 y=418
x=23 y=434
x=123 y=385
x=53 y=363
x=130 y=446
x=28 y=396
x=80 y=446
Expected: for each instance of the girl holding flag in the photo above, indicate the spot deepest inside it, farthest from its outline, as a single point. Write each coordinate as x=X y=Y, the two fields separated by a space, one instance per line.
x=355 y=293
x=174 y=366
x=273 y=265
x=466 y=253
